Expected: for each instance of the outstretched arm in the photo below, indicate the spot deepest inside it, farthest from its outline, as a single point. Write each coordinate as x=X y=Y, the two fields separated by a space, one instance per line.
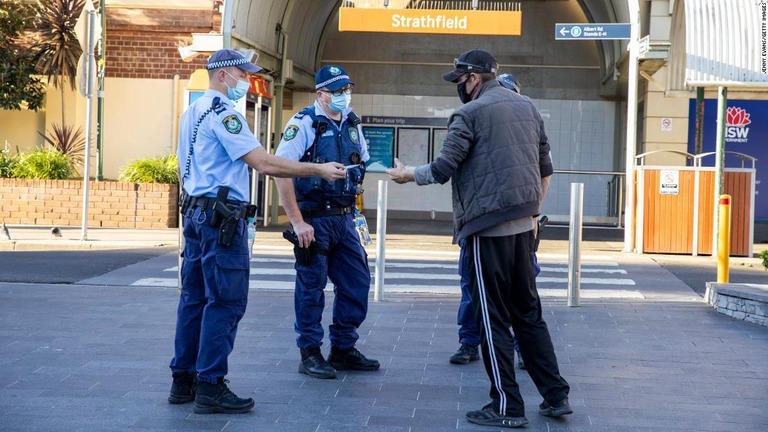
x=400 y=173
x=276 y=166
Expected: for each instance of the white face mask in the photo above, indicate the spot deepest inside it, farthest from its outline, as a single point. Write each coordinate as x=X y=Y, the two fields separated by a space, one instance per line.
x=341 y=102
x=241 y=88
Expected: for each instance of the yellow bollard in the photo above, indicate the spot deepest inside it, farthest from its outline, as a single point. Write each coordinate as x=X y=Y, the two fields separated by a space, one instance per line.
x=724 y=238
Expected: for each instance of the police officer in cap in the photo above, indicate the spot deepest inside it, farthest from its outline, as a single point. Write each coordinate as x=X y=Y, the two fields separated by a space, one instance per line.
x=321 y=214
x=215 y=149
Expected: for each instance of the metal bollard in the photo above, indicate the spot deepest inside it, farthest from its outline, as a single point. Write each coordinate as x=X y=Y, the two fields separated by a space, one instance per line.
x=724 y=239
x=574 y=244
x=381 y=233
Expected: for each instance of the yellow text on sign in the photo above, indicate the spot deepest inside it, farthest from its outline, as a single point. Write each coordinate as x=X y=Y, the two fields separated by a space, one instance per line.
x=501 y=23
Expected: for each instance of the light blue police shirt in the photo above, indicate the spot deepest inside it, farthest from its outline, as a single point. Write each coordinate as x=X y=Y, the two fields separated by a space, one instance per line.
x=295 y=145
x=213 y=159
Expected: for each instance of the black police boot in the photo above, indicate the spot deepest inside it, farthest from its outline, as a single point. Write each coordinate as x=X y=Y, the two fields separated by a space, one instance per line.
x=218 y=398
x=465 y=354
x=183 y=388
x=314 y=365
x=351 y=358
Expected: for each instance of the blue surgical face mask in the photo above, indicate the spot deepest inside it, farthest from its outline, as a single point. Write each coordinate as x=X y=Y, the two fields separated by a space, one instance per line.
x=341 y=102
x=241 y=88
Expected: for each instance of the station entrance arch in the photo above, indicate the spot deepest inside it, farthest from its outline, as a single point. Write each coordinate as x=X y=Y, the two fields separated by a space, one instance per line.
x=575 y=84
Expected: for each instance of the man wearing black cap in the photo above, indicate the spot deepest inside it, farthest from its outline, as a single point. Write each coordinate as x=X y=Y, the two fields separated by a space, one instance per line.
x=497 y=155
x=215 y=149
x=469 y=334
x=322 y=217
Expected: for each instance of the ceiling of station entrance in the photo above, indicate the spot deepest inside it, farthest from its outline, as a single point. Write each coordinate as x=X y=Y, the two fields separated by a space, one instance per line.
x=305 y=24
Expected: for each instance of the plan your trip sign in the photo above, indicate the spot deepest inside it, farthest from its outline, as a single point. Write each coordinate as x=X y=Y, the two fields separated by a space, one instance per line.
x=746 y=131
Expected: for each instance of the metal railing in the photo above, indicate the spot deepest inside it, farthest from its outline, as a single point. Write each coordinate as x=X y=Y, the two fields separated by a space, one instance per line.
x=611 y=182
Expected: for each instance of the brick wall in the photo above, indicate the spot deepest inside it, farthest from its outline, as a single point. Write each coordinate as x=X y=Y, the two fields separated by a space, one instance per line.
x=143 y=43
x=111 y=204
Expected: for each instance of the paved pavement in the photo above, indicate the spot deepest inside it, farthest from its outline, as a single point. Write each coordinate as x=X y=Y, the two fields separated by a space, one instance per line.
x=94 y=357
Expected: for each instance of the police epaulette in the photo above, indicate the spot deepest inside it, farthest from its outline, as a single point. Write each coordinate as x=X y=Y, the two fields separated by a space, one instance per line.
x=299 y=116
x=217 y=106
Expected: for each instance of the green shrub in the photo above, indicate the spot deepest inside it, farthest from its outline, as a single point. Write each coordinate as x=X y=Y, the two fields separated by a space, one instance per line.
x=152 y=170
x=764 y=256
x=7 y=163
x=43 y=165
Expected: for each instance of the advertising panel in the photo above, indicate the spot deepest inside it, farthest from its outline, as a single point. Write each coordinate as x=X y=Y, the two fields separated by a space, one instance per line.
x=746 y=132
x=381 y=145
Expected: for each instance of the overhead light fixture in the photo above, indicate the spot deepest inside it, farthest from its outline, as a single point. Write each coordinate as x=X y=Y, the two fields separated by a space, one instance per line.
x=187 y=53
x=251 y=55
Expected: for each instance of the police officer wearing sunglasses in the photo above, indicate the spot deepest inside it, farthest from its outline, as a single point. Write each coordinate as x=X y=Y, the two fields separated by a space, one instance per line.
x=321 y=214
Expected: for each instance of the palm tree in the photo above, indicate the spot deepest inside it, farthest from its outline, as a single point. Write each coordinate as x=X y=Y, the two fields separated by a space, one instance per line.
x=58 y=54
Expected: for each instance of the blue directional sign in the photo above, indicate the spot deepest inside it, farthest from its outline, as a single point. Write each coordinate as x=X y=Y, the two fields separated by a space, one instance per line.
x=592 y=31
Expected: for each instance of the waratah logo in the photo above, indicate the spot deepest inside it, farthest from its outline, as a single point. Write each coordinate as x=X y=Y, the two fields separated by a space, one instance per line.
x=736 y=120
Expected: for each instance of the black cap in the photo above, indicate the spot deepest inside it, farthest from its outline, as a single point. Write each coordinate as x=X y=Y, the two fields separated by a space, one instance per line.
x=476 y=60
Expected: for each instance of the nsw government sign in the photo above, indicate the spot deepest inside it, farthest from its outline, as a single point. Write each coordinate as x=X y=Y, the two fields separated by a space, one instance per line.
x=746 y=131
x=592 y=31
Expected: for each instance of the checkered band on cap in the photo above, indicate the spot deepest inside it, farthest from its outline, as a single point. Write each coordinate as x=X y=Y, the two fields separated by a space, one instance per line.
x=226 y=63
x=331 y=81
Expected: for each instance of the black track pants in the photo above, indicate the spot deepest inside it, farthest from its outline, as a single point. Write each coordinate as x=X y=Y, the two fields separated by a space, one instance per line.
x=504 y=295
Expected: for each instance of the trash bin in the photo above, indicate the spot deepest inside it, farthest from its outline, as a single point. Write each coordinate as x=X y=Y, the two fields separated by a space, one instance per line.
x=676 y=205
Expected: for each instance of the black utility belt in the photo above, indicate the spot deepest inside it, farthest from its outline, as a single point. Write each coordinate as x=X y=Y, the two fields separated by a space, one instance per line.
x=333 y=211
x=208 y=202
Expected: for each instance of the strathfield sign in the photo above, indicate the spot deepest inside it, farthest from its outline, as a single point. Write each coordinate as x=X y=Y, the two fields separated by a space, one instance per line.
x=458 y=22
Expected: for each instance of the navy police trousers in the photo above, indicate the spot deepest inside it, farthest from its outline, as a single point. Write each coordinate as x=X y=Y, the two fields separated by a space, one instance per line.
x=346 y=264
x=214 y=295
x=469 y=334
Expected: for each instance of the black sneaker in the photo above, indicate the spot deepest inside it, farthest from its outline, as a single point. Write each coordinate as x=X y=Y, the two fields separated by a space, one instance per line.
x=489 y=416
x=314 y=365
x=465 y=354
x=218 y=398
x=352 y=359
x=183 y=388
x=560 y=409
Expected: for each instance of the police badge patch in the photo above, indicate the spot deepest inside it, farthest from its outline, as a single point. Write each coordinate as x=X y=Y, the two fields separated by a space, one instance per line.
x=232 y=124
x=290 y=132
x=353 y=134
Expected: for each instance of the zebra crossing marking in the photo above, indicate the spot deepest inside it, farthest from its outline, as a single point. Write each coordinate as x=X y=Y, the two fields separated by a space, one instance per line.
x=441 y=277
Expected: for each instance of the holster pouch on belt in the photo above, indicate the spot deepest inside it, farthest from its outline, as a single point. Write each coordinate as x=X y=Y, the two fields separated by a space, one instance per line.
x=184 y=202
x=228 y=228
x=303 y=254
x=220 y=207
x=250 y=211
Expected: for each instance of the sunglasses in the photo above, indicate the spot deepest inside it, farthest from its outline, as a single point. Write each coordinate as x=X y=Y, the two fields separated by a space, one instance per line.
x=458 y=64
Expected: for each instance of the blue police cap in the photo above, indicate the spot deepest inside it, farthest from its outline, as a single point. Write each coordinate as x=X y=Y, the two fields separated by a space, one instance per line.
x=509 y=81
x=331 y=77
x=227 y=57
